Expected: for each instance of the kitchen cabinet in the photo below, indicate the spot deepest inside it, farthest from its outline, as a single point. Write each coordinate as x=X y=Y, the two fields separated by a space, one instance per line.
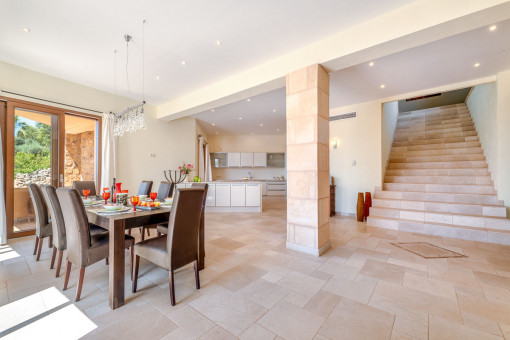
x=247 y=159
x=252 y=195
x=238 y=195
x=264 y=188
x=276 y=160
x=260 y=159
x=210 y=200
x=222 y=195
x=234 y=159
x=277 y=188
x=219 y=159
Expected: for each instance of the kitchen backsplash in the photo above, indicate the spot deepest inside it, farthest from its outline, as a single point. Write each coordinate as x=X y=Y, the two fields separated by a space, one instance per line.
x=239 y=173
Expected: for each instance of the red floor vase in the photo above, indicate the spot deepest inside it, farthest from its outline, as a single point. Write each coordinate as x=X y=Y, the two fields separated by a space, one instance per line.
x=360 y=208
x=368 y=203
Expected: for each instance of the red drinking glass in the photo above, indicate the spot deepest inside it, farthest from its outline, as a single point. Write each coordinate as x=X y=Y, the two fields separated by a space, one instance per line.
x=153 y=196
x=86 y=193
x=106 y=196
x=134 y=201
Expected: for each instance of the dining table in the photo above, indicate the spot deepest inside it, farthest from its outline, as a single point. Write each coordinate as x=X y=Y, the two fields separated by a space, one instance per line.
x=117 y=224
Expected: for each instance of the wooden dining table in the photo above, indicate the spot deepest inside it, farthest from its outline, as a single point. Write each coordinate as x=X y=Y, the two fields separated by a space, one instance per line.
x=117 y=224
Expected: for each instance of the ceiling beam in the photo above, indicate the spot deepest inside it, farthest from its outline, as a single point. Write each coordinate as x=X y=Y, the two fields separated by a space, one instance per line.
x=415 y=24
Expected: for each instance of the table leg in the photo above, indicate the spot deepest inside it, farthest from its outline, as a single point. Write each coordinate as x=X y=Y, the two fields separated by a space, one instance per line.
x=116 y=266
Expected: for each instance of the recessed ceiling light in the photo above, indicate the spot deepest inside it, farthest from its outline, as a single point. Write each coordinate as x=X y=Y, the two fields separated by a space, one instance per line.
x=253 y=133
x=183 y=62
x=277 y=129
x=212 y=110
x=216 y=132
x=382 y=86
x=240 y=118
x=213 y=124
x=274 y=110
x=157 y=77
x=218 y=42
x=477 y=64
x=261 y=124
x=26 y=29
x=493 y=28
x=371 y=63
x=249 y=99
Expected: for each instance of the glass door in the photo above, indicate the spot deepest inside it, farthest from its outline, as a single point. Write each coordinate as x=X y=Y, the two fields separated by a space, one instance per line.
x=33 y=156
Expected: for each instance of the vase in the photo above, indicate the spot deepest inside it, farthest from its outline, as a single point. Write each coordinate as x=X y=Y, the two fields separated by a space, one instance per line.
x=360 y=208
x=368 y=203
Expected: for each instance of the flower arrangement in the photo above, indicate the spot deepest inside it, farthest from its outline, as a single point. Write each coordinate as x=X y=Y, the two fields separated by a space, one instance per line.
x=185 y=169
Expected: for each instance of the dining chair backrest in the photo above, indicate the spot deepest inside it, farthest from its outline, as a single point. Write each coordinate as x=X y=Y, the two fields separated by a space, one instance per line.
x=77 y=225
x=183 y=227
x=42 y=224
x=165 y=190
x=57 y=219
x=85 y=185
x=145 y=188
x=204 y=186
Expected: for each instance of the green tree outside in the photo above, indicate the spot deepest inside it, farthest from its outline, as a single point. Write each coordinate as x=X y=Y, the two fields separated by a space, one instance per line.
x=32 y=147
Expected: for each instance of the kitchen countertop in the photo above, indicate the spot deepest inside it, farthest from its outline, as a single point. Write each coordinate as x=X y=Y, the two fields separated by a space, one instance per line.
x=250 y=180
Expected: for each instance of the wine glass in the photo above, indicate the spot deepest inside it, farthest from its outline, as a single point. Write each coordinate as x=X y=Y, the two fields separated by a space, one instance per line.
x=86 y=193
x=153 y=196
x=106 y=196
x=134 y=201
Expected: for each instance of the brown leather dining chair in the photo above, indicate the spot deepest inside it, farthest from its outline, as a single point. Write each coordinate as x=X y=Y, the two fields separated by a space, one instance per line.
x=165 y=190
x=83 y=248
x=58 y=226
x=43 y=227
x=83 y=185
x=180 y=246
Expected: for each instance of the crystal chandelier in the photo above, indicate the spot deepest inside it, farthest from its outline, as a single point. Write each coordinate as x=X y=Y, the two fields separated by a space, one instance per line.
x=133 y=118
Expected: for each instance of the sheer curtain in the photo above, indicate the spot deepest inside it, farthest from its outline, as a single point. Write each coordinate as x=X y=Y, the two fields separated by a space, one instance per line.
x=108 y=151
x=3 y=220
x=204 y=161
x=208 y=170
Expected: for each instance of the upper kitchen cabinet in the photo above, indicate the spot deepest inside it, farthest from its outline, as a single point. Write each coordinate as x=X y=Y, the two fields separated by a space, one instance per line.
x=260 y=159
x=219 y=159
x=247 y=159
x=234 y=159
x=276 y=160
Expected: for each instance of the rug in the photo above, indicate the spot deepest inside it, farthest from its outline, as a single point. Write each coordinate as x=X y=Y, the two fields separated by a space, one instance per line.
x=427 y=250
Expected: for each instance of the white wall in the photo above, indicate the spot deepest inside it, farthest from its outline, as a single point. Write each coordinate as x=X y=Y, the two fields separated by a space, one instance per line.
x=359 y=139
x=482 y=103
x=388 y=125
x=503 y=97
x=247 y=143
x=171 y=142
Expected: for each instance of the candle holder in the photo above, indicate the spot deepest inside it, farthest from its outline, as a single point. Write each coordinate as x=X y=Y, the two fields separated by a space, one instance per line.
x=176 y=178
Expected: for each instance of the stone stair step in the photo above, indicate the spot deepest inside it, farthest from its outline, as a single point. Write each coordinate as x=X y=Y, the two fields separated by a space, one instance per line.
x=438 y=165
x=438 y=172
x=468 y=180
x=437 y=141
x=441 y=188
x=442 y=207
x=439 y=197
x=441 y=146
x=433 y=129
x=451 y=117
x=436 y=152
x=439 y=158
x=442 y=230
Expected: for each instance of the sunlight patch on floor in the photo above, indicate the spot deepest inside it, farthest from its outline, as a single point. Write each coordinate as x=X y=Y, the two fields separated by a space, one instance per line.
x=7 y=253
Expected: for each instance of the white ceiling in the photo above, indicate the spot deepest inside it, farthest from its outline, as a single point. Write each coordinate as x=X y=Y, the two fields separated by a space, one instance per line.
x=439 y=63
x=75 y=40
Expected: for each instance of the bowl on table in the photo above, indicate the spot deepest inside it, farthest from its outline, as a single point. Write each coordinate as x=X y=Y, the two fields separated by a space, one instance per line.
x=168 y=200
x=89 y=200
x=142 y=197
x=112 y=207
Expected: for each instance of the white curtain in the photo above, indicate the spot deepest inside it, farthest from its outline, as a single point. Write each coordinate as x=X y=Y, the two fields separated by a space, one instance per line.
x=108 y=165
x=208 y=170
x=201 y=161
x=3 y=220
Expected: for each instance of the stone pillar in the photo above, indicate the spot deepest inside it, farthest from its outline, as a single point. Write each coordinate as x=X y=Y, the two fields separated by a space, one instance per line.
x=308 y=160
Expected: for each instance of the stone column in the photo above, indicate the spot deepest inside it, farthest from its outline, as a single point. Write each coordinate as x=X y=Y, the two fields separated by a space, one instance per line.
x=308 y=160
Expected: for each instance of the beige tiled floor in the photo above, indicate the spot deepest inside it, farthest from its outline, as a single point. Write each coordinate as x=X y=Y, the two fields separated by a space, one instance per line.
x=253 y=288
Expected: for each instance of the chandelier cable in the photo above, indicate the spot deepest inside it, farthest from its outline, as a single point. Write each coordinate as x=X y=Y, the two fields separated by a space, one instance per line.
x=128 y=38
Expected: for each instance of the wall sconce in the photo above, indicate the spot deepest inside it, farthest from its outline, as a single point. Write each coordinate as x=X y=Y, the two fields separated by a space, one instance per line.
x=334 y=143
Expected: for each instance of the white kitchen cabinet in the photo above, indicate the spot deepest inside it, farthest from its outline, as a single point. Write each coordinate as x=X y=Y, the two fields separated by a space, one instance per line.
x=247 y=159
x=210 y=201
x=237 y=195
x=260 y=159
x=277 y=188
x=234 y=159
x=264 y=188
x=253 y=194
x=222 y=195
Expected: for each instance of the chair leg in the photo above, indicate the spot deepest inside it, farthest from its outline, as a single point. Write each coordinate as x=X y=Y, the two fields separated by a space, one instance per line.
x=59 y=262
x=197 y=276
x=106 y=261
x=36 y=244
x=39 y=249
x=53 y=254
x=172 y=287
x=134 y=275
x=129 y=232
x=159 y=234
x=148 y=231
x=132 y=255
x=142 y=232
x=68 y=272
x=80 y=284
x=50 y=241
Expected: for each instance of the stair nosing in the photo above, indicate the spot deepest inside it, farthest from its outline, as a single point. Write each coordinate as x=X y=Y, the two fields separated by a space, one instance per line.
x=396 y=199
x=443 y=213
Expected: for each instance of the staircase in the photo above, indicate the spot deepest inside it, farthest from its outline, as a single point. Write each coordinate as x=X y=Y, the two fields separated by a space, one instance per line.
x=437 y=181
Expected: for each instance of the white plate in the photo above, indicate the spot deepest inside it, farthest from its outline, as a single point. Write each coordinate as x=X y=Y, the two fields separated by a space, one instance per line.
x=109 y=212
